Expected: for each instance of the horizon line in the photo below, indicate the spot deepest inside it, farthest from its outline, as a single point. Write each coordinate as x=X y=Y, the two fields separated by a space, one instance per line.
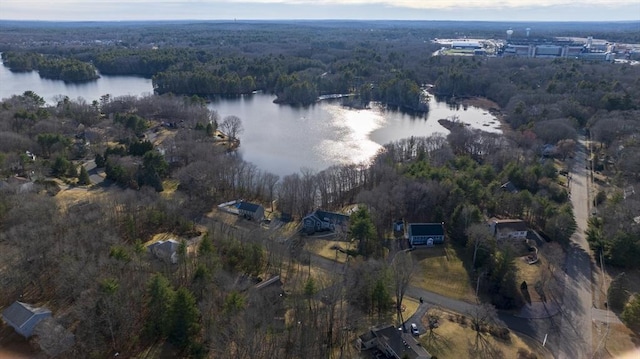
x=319 y=20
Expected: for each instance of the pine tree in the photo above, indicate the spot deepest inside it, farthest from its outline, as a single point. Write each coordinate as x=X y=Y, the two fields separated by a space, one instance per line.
x=631 y=313
x=159 y=307
x=185 y=315
x=83 y=177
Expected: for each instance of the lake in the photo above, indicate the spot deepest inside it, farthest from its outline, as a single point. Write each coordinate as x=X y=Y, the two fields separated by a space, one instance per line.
x=279 y=138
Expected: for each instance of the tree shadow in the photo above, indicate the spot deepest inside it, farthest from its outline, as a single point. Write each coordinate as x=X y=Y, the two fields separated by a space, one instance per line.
x=437 y=344
x=525 y=294
x=484 y=349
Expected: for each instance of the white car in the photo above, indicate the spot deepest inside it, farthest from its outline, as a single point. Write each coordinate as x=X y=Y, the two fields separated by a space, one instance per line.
x=414 y=329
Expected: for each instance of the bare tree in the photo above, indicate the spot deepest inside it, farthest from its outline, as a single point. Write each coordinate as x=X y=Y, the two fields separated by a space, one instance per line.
x=53 y=338
x=478 y=235
x=232 y=127
x=483 y=320
x=402 y=266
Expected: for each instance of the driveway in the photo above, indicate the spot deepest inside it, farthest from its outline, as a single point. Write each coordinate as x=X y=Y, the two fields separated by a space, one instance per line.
x=95 y=175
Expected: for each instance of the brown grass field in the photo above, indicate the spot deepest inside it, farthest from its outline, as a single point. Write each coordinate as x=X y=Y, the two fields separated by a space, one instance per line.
x=453 y=340
x=441 y=271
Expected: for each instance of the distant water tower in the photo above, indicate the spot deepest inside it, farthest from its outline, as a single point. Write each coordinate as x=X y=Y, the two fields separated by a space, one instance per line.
x=528 y=30
x=509 y=33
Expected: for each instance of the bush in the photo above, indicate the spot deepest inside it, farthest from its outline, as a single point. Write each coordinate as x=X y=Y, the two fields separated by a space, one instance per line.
x=500 y=333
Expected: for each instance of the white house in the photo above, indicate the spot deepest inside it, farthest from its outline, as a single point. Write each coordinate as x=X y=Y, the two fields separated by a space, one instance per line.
x=508 y=228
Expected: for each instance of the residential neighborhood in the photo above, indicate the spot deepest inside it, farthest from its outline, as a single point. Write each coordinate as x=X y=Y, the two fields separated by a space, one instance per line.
x=260 y=189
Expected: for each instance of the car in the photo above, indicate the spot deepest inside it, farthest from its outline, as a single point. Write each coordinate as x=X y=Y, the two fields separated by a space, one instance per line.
x=414 y=329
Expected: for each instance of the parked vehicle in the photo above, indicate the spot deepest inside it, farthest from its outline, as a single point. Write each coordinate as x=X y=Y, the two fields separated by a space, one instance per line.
x=414 y=329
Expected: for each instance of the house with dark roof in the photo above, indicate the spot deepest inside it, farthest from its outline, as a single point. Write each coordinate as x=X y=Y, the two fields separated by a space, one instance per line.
x=268 y=297
x=394 y=343
x=425 y=234
x=251 y=211
x=320 y=221
x=508 y=228
x=166 y=250
x=509 y=187
x=24 y=317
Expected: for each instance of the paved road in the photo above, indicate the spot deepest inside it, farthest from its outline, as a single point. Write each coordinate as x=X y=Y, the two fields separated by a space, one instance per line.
x=95 y=175
x=571 y=336
x=565 y=327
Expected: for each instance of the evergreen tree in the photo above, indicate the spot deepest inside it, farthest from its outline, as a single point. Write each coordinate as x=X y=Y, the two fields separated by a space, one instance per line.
x=185 y=315
x=60 y=167
x=617 y=295
x=159 y=307
x=72 y=171
x=631 y=314
x=363 y=230
x=100 y=160
x=83 y=177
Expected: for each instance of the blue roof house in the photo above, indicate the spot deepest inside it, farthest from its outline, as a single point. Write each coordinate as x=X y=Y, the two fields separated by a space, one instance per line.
x=24 y=317
x=251 y=211
x=426 y=234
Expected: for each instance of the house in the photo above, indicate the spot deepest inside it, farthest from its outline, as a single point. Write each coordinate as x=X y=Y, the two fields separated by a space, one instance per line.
x=319 y=221
x=509 y=187
x=393 y=342
x=251 y=211
x=426 y=234
x=166 y=250
x=508 y=228
x=23 y=317
x=268 y=298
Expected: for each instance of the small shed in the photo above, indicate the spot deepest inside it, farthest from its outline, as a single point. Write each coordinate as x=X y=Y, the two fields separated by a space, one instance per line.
x=24 y=317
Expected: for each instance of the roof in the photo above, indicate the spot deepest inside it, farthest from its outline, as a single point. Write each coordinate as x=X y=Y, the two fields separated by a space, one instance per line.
x=426 y=229
x=249 y=207
x=509 y=224
x=510 y=187
x=19 y=315
x=403 y=344
x=268 y=282
x=337 y=218
x=168 y=246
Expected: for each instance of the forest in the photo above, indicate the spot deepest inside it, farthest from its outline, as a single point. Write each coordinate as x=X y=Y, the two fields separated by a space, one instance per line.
x=86 y=259
x=51 y=67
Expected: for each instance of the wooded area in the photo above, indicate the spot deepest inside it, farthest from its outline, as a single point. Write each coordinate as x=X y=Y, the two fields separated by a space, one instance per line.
x=87 y=259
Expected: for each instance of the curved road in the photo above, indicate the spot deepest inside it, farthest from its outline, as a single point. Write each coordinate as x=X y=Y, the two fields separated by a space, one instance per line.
x=567 y=327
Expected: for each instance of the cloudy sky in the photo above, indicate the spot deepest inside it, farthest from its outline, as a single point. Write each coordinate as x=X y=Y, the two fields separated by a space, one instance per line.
x=512 y=10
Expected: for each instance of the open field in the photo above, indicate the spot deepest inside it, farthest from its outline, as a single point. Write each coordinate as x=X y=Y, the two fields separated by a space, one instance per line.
x=440 y=270
x=453 y=340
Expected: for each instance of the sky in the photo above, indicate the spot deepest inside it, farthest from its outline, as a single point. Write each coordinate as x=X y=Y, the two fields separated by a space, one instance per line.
x=482 y=10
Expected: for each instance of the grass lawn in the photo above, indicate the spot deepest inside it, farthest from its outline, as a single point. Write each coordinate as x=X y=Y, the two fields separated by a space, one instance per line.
x=453 y=340
x=532 y=274
x=441 y=271
x=410 y=307
x=323 y=248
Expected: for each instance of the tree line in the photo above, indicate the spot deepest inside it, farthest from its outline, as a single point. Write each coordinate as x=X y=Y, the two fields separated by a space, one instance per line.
x=51 y=67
